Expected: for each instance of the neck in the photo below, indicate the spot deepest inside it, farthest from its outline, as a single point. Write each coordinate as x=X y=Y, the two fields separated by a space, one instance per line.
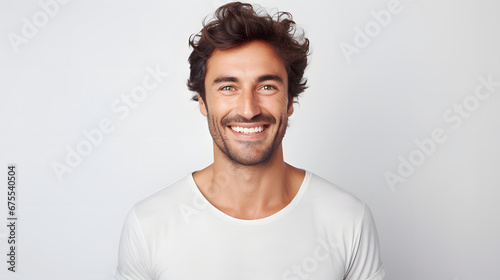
x=249 y=192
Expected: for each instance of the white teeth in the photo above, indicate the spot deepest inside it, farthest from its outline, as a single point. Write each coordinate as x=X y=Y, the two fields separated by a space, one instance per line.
x=247 y=130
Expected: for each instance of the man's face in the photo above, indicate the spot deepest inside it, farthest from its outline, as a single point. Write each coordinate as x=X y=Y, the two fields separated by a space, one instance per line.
x=246 y=101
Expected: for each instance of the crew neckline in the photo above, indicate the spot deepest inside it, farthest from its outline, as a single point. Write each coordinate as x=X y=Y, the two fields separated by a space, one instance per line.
x=289 y=207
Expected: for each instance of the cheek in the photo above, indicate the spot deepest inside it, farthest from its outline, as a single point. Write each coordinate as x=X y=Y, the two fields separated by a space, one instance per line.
x=213 y=127
x=284 y=107
x=275 y=103
x=290 y=109
x=214 y=122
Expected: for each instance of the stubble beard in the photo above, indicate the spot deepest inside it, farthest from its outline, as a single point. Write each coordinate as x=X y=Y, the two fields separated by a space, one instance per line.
x=242 y=157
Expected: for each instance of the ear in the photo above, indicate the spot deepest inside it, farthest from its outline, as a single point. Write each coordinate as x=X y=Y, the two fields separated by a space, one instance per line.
x=203 y=108
x=290 y=107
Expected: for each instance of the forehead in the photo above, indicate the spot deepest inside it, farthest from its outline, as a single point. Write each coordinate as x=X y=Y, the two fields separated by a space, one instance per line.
x=251 y=59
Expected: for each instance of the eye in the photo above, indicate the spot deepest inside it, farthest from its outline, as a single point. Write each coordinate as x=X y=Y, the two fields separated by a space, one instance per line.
x=227 y=88
x=268 y=87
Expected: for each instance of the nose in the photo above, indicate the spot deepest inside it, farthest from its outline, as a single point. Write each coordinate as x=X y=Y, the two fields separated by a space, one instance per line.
x=248 y=104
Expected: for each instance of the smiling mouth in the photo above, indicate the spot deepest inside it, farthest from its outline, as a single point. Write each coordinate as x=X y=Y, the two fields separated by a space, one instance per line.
x=249 y=130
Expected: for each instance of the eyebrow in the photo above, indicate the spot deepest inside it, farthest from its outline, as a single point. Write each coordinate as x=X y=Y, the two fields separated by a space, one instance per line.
x=269 y=77
x=225 y=79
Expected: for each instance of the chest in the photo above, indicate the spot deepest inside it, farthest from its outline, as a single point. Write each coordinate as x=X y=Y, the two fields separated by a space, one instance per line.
x=299 y=250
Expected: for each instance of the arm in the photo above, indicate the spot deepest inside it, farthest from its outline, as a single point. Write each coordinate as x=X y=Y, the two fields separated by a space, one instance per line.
x=365 y=261
x=133 y=257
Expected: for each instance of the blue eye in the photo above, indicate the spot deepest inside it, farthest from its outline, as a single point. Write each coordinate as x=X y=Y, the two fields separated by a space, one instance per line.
x=227 y=88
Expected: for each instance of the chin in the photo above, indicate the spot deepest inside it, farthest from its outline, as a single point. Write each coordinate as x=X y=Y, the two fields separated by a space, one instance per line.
x=251 y=160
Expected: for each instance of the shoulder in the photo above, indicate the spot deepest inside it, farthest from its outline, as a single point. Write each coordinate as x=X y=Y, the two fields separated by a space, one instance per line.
x=333 y=201
x=166 y=201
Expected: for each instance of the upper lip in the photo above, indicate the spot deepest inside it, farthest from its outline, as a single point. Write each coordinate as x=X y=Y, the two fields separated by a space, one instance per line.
x=249 y=125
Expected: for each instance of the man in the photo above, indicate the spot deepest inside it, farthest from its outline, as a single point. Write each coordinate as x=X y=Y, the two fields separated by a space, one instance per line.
x=249 y=215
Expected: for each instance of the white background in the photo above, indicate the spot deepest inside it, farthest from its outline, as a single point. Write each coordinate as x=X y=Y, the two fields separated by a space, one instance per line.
x=350 y=127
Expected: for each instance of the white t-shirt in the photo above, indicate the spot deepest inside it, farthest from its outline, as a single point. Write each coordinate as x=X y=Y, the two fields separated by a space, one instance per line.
x=323 y=233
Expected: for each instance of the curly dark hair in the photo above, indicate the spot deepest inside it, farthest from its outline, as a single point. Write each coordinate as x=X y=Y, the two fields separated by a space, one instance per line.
x=235 y=24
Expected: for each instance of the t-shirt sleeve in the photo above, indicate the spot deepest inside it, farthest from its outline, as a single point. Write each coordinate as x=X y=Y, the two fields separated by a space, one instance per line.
x=365 y=261
x=133 y=257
